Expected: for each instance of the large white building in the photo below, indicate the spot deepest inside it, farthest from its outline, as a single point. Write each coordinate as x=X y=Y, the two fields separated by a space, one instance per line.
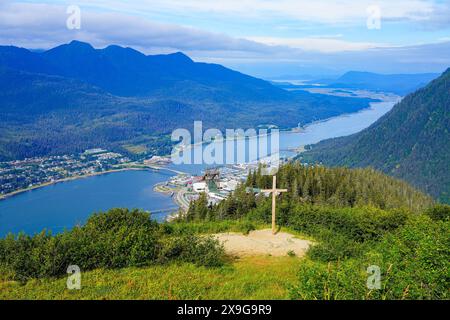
x=199 y=187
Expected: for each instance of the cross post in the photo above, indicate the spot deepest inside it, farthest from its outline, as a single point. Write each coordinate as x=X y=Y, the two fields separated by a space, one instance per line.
x=274 y=192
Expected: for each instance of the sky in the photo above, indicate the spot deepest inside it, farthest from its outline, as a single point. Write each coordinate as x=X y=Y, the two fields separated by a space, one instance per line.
x=266 y=38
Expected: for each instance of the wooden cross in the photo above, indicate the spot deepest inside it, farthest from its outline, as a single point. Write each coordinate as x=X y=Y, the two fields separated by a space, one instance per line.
x=274 y=192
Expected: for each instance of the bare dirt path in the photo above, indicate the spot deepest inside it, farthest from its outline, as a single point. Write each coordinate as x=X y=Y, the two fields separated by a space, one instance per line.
x=263 y=242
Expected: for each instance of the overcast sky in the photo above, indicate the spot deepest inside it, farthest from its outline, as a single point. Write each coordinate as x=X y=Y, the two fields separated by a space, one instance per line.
x=262 y=37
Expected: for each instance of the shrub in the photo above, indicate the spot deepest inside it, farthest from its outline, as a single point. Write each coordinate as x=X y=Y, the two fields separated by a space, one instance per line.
x=202 y=251
x=334 y=246
x=115 y=239
x=418 y=259
x=414 y=264
x=439 y=212
x=246 y=226
x=291 y=253
x=329 y=281
x=359 y=224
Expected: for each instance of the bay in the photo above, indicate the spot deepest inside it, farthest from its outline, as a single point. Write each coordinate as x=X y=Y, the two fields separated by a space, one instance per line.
x=66 y=204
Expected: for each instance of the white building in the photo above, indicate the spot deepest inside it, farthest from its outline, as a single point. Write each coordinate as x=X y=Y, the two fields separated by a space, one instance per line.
x=199 y=187
x=230 y=185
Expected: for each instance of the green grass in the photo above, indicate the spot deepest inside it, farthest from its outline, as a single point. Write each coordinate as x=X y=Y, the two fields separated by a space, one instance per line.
x=262 y=277
x=243 y=226
x=136 y=149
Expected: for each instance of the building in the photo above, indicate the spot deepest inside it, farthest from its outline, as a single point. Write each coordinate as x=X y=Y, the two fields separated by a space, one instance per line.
x=199 y=187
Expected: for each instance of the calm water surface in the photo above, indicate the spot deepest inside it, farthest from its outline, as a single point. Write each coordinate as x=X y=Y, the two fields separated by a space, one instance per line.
x=66 y=204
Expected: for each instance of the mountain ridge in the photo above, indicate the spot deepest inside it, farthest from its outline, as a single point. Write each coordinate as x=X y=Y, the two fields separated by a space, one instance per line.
x=128 y=72
x=398 y=83
x=410 y=142
x=57 y=102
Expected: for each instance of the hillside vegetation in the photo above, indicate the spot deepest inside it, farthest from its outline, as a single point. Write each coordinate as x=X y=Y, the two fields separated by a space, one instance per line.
x=310 y=186
x=358 y=218
x=411 y=142
x=74 y=97
x=133 y=257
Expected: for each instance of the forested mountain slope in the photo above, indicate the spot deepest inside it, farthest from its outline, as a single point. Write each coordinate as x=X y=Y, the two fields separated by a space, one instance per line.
x=75 y=97
x=127 y=72
x=411 y=142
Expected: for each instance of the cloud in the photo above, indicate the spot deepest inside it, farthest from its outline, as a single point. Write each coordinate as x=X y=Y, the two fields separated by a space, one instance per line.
x=324 y=11
x=43 y=26
x=321 y=44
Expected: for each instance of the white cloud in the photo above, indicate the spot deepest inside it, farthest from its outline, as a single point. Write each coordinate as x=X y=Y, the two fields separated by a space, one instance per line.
x=324 y=11
x=322 y=44
x=43 y=26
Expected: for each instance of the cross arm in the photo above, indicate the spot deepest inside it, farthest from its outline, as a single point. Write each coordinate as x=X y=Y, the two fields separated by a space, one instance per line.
x=276 y=190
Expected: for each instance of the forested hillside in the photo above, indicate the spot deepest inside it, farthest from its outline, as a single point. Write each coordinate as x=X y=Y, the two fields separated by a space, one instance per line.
x=314 y=186
x=356 y=219
x=411 y=142
x=127 y=72
x=75 y=97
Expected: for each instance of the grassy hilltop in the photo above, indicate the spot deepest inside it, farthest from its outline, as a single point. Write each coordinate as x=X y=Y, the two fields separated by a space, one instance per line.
x=124 y=254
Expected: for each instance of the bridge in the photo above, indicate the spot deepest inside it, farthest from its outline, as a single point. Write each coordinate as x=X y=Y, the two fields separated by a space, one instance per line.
x=165 y=168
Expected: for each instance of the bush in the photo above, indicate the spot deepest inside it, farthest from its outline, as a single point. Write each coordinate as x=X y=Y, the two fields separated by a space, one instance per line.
x=418 y=259
x=358 y=224
x=334 y=246
x=115 y=239
x=330 y=281
x=246 y=226
x=202 y=251
x=439 y=212
x=414 y=264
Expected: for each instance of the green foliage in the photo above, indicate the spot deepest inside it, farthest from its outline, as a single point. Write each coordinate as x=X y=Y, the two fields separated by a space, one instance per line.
x=439 y=212
x=414 y=264
x=209 y=227
x=411 y=142
x=357 y=218
x=44 y=114
x=359 y=224
x=333 y=246
x=202 y=251
x=318 y=186
x=343 y=232
x=115 y=239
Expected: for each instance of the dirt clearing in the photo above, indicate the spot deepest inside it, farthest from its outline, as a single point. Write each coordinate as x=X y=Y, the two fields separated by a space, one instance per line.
x=263 y=242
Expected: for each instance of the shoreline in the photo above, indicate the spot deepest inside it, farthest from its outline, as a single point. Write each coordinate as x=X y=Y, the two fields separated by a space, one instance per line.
x=177 y=148
x=394 y=98
x=47 y=184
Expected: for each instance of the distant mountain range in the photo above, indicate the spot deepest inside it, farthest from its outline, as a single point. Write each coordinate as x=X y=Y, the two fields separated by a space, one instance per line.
x=400 y=84
x=412 y=141
x=74 y=97
x=127 y=72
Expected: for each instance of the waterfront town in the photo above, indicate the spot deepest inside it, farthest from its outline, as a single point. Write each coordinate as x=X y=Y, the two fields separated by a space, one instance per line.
x=217 y=183
x=33 y=172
